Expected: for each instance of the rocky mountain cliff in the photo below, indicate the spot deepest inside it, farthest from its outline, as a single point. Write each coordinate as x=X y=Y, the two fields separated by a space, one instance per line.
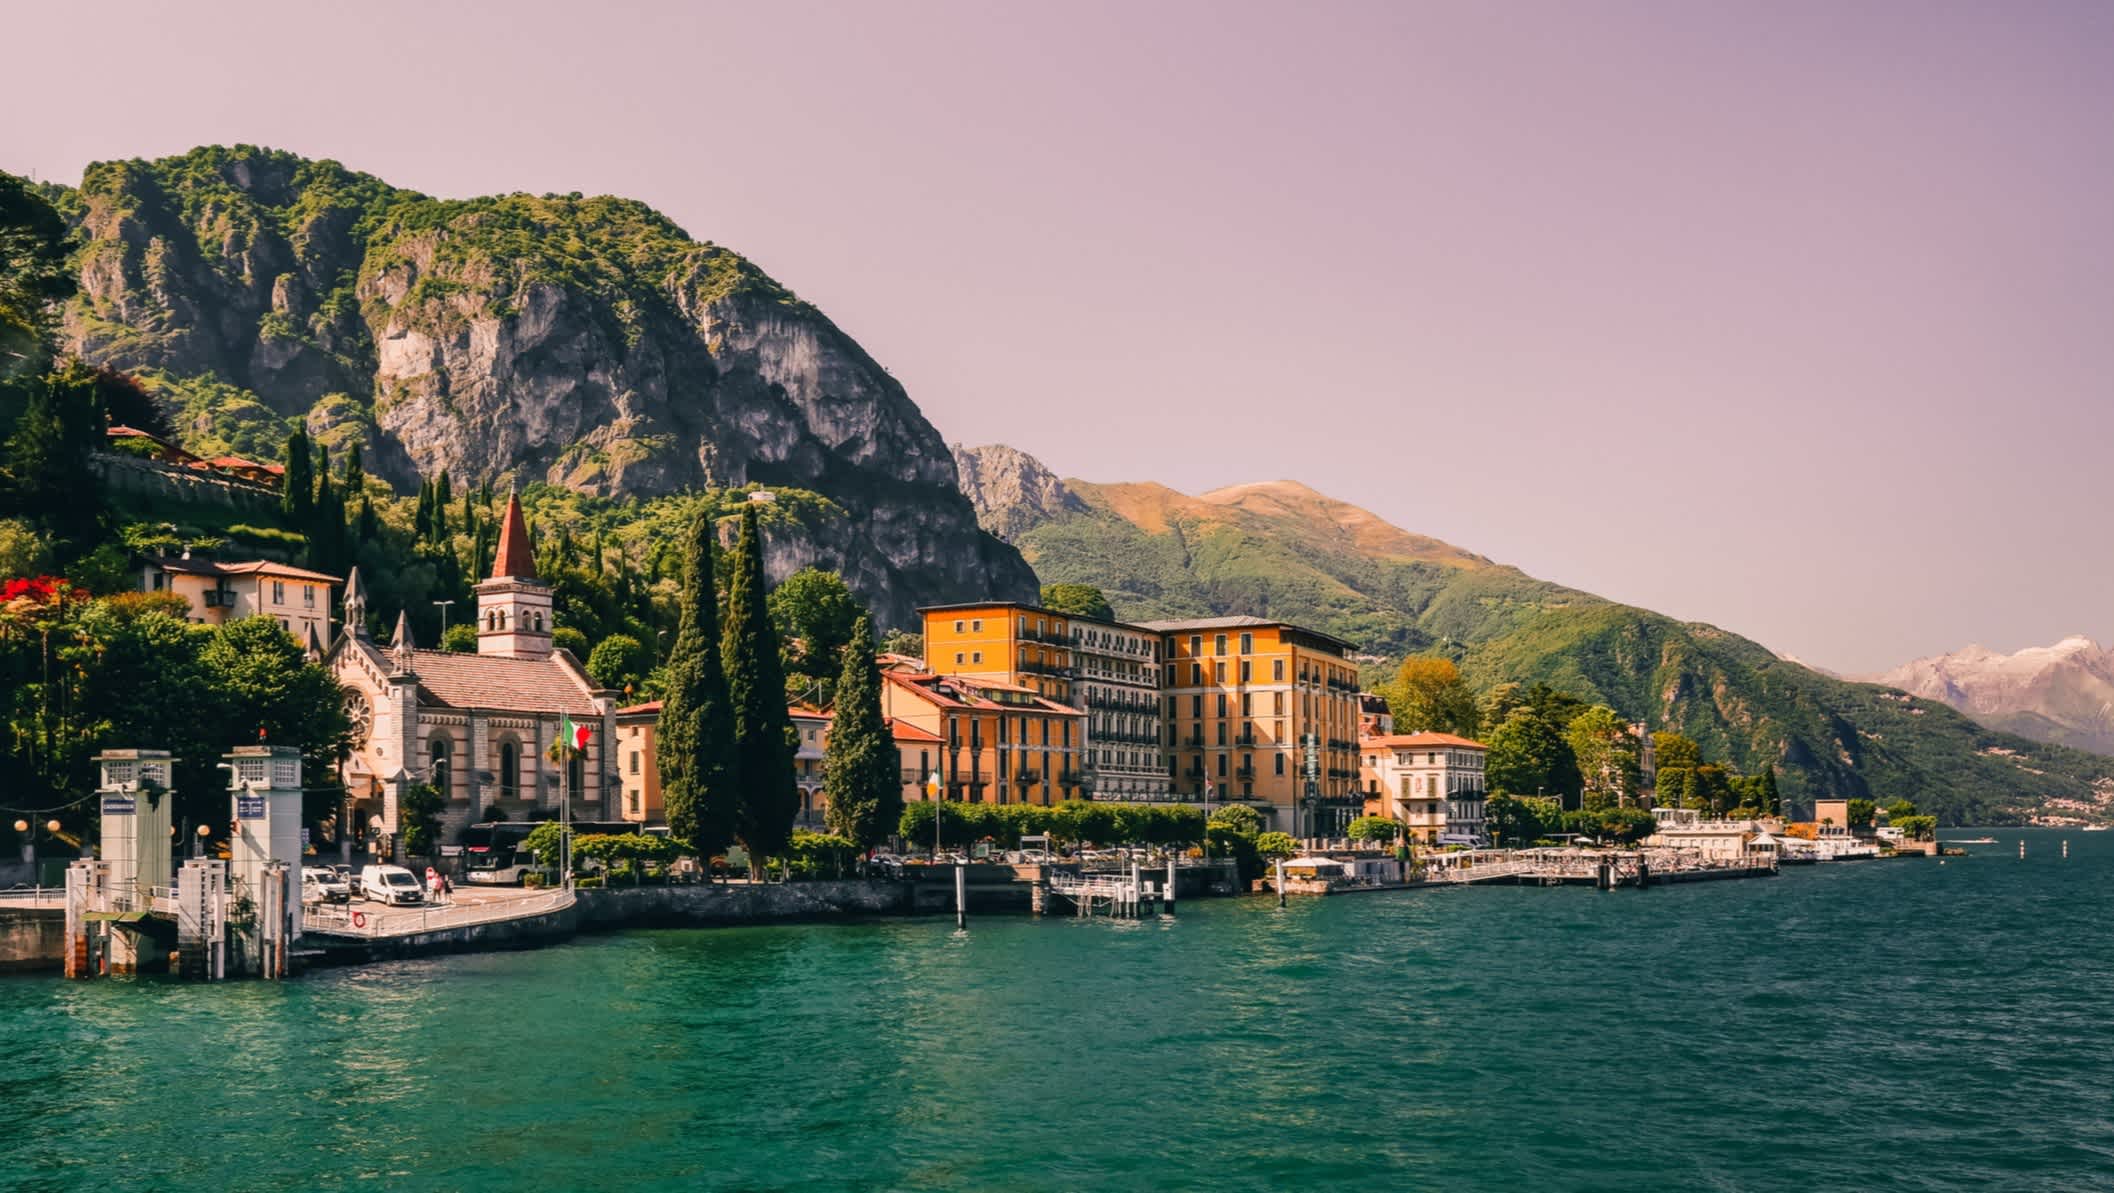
x=1281 y=549
x=2062 y=693
x=588 y=342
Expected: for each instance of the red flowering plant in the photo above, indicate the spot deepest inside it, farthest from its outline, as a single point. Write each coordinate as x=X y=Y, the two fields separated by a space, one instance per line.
x=36 y=601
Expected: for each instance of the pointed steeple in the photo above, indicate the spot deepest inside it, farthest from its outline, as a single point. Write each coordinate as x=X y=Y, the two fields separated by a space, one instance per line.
x=401 y=645
x=355 y=604
x=513 y=560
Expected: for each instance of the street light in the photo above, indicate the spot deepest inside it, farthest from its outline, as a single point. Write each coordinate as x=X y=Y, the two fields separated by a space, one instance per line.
x=204 y=831
x=443 y=605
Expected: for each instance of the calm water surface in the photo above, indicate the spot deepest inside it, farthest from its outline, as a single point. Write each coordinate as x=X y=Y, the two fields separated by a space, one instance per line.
x=1880 y=1025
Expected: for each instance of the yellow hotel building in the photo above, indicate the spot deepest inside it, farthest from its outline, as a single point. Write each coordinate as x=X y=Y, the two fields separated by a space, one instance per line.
x=1003 y=643
x=1243 y=696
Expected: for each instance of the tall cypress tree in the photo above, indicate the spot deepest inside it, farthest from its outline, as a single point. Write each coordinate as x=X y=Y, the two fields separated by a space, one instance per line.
x=355 y=472
x=422 y=516
x=1771 y=802
x=865 y=793
x=693 y=742
x=763 y=732
x=297 y=486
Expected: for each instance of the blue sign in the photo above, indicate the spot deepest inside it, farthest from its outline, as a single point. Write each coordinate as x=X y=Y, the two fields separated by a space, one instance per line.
x=120 y=805
x=249 y=807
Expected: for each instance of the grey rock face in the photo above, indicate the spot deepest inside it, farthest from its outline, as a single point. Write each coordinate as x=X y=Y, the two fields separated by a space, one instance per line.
x=1011 y=489
x=588 y=343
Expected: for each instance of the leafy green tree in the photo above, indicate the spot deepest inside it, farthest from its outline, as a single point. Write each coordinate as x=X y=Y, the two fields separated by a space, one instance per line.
x=1692 y=792
x=1373 y=828
x=813 y=613
x=1237 y=818
x=1517 y=820
x=1766 y=795
x=1273 y=846
x=418 y=809
x=1606 y=753
x=545 y=842
x=460 y=638
x=694 y=735
x=44 y=473
x=1429 y=695
x=1528 y=756
x=1080 y=600
x=763 y=732
x=1899 y=809
x=1676 y=751
x=618 y=661
x=1861 y=813
x=1626 y=825
x=861 y=763
x=1917 y=827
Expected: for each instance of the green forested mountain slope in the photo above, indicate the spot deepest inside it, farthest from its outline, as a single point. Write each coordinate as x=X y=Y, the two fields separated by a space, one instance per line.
x=1280 y=549
x=586 y=342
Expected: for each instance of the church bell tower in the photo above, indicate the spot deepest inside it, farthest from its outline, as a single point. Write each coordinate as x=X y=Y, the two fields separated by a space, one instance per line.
x=513 y=606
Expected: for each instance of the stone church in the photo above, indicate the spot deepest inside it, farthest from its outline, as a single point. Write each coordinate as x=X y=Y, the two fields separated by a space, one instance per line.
x=474 y=725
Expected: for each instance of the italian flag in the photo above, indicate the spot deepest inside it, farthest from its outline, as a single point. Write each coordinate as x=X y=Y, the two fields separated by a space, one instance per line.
x=574 y=736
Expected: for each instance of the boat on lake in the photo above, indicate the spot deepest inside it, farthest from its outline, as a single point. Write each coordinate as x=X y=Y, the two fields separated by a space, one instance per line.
x=1973 y=841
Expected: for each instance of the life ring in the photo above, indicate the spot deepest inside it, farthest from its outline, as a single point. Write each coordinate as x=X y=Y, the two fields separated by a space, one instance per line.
x=359 y=919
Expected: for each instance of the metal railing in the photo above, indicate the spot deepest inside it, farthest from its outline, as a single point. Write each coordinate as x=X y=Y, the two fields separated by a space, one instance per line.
x=373 y=920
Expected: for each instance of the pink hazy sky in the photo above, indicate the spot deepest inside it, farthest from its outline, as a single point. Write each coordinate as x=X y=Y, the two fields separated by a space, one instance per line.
x=1797 y=318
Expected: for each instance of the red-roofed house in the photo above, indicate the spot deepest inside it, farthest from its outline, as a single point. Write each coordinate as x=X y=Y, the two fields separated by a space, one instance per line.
x=477 y=726
x=218 y=592
x=996 y=743
x=1431 y=783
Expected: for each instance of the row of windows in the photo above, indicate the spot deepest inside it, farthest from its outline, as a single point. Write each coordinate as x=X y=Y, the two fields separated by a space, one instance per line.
x=441 y=773
x=495 y=619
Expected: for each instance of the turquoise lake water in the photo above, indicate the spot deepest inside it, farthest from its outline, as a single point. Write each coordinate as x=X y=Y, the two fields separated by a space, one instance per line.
x=1876 y=1025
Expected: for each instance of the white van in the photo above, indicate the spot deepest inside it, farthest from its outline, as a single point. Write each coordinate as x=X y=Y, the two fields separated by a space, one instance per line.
x=390 y=884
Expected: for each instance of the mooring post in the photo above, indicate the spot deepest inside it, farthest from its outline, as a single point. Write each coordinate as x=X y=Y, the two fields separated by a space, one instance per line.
x=1280 y=882
x=961 y=895
x=1170 y=884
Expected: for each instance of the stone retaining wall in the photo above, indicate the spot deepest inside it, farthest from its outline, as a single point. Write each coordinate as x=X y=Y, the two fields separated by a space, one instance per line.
x=32 y=938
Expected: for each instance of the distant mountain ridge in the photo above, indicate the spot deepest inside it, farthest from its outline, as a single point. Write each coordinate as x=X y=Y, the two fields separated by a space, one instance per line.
x=2062 y=693
x=1281 y=549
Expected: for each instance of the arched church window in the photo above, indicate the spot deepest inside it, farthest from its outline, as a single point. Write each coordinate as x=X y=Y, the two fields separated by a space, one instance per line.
x=509 y=769
x=539 y=623
x=441 y=750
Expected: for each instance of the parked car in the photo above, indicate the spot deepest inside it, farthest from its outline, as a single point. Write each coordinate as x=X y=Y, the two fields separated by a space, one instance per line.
x=324 y=885
x=393 y=885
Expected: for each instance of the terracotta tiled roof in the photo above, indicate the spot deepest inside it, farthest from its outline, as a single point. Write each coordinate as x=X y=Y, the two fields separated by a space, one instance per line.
x=1398 y=741
x=514 y=560
x=254 y=567
x=652 y=708
x=454 y=680
x=953 y=691
x=905 y=731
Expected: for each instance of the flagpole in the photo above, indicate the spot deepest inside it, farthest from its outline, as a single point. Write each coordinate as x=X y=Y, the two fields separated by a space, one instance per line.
x=565 y=802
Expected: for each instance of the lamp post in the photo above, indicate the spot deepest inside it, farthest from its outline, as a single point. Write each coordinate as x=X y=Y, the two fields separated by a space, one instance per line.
x=204 y=831
x=28 y=829
x=443 y=607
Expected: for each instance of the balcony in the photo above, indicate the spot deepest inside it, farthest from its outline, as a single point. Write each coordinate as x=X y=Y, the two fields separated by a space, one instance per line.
x=1244 y=773
x=1068 y=778
x=1027 y=776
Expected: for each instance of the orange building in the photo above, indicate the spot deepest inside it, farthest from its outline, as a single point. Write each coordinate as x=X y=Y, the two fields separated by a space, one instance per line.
x=1106 y=669
x=640 y=801
x=1004 y=643
x=998 y=743
x=1264 y=712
